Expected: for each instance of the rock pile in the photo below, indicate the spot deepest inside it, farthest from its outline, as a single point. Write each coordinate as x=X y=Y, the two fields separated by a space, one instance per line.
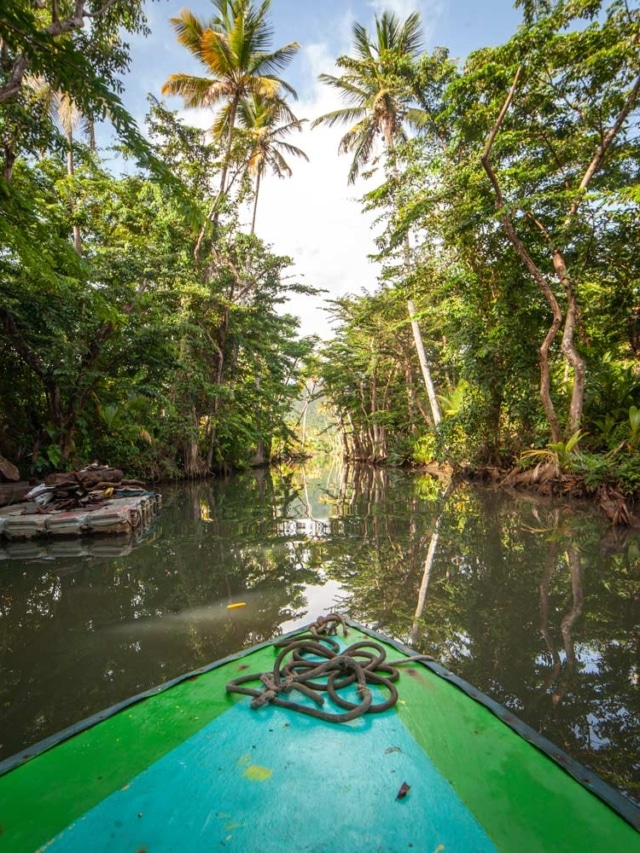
x=87 y=487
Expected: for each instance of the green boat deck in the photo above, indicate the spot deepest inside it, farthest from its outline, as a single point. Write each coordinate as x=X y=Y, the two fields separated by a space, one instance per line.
x=192 y=767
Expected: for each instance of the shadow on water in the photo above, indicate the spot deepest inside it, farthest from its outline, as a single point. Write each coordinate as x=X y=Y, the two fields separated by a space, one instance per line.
x=537 y=603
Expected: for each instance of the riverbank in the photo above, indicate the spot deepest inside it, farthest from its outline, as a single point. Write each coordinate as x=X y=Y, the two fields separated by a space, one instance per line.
x=549 y=480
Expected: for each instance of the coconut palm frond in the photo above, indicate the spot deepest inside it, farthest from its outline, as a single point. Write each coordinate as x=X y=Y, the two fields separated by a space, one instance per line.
x=362 y=146
x=188 y=29
x=270 y=63
x=193 y=90
x=67 y=112
x=343 y=116
x=217 y=54
x=417 y=118
x=221 y=126
x=293 y=150
x=351 y=92
x=362 y=43
x=376 y=87
x=279 y=165
x=236 y=49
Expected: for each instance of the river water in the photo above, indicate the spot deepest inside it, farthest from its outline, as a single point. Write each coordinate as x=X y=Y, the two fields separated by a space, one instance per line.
x=536 y=603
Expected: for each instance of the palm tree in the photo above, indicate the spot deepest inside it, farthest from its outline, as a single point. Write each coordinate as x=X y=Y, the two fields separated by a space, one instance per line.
x=265 y=124
x=234 y=47
x=63 y=109
x=379 y=90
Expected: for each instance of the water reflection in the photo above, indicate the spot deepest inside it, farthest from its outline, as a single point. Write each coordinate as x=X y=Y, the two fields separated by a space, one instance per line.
x=536 y=603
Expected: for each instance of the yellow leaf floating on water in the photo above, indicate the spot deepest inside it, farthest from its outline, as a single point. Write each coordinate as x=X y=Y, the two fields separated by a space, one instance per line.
x=237 y=605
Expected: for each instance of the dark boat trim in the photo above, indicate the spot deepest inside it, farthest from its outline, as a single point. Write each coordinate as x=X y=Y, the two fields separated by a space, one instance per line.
x=585 y=777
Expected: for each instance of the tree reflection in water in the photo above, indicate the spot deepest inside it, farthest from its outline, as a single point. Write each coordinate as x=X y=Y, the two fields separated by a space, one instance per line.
x=536 y=603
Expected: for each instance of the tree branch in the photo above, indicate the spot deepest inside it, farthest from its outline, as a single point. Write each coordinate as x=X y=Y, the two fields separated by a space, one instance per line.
x=602 y=149
x=57 y=27
x=545 y=380
x=22 y=348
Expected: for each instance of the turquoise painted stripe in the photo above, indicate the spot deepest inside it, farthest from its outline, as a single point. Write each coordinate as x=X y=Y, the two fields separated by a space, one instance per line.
x=273 y=781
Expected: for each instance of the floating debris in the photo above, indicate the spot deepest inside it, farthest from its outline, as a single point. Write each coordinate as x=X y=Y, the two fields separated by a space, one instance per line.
x=96 y=499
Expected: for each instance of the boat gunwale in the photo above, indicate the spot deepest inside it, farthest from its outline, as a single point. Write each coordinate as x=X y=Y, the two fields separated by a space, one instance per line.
x=583 y=775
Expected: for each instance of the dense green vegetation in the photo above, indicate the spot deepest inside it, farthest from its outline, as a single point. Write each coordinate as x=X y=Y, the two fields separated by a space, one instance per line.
x=508 y=210
x=140 y=323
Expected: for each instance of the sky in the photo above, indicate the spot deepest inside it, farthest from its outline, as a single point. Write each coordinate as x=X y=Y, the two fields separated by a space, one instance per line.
x=314 y=217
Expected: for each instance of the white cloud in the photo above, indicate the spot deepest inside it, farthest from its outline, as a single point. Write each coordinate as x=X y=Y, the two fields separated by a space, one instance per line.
x=315 y=216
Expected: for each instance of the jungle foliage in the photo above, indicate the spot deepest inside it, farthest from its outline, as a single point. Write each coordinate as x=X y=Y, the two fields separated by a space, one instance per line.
x=141 y=318
x=508 y=212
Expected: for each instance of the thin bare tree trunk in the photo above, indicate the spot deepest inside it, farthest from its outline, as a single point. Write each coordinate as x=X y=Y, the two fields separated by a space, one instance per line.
x=255 y=204
x=424 y=364
x=415 y=327
x=77 y=237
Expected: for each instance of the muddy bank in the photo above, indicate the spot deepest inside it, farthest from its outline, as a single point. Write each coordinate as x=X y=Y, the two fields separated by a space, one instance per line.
x=547 y=479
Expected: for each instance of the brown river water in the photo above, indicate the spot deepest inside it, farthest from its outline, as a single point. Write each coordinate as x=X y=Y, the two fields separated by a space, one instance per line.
x=536 y=603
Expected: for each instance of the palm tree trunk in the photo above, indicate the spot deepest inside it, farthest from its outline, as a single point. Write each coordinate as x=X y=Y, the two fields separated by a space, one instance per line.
x=255 y=204
x=77 y=237
x=424 y=364
x=415 y=327
x=227 y=155
x=212 y=216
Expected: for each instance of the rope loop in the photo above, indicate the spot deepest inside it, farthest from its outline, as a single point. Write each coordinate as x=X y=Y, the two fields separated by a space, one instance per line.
x=313 y=664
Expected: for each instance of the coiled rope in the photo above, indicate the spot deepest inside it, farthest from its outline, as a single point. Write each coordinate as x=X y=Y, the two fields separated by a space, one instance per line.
x=313 y=664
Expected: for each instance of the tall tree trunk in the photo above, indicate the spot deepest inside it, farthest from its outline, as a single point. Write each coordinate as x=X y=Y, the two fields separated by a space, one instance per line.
x=9 y=161
x=222 y=342
x=191 y=452
x=424 y=363
x=255 y=204
x=213 y=214
x=77 y=237
x=539 y=278
x=91 y=134
x=259 y=456
x=568 y=345
x=415 y=327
